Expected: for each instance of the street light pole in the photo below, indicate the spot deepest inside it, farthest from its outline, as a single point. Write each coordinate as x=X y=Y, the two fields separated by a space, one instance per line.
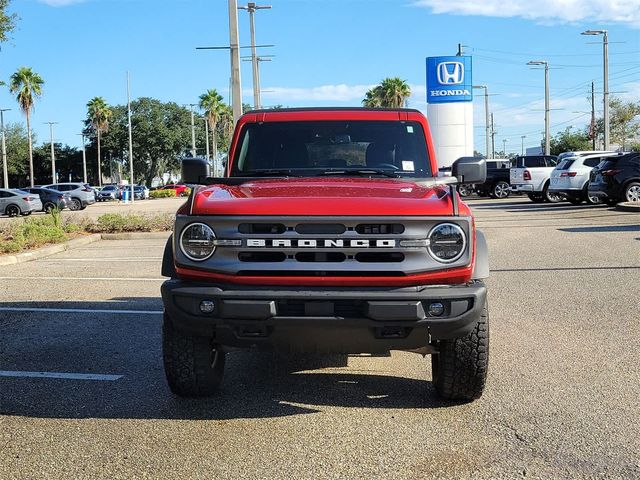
x=487 y=132
x=130 y=139
x=194 y=151
x=493 y=138
x=206 y=133
x=84 y=159
x=605 y=80
x=5 y=171
x=53 y=153
x=522 y=137
x=547 y=125
x=504 y=146
x=251 y=7
x=234 y=44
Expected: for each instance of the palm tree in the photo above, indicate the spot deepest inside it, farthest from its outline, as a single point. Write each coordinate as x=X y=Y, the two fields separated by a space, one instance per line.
x=391 y=93
x=99 y=115
x=27 y=85
x=395 y=92
x=373 y=98
x=214 y=109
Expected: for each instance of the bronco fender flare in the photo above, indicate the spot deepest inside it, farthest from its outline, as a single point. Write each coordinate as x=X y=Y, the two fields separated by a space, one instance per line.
x=481 y=268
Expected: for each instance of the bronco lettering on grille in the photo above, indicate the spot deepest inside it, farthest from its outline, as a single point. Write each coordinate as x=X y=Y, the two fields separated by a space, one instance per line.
x=322 y=243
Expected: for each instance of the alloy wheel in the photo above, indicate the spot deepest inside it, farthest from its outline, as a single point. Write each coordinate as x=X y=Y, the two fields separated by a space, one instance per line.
x=633 y=193
x=501 y=190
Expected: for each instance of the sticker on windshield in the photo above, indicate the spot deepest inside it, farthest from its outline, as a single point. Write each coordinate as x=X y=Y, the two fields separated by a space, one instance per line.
x=409 y=129
x=407 y=166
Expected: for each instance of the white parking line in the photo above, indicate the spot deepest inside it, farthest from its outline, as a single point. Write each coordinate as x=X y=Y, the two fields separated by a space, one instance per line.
x=80 y=310
x=137 y=259
x=62 y=375
x=97 y=279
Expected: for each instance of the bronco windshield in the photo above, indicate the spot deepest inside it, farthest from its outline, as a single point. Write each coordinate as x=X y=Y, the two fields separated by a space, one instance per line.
x=306 y=149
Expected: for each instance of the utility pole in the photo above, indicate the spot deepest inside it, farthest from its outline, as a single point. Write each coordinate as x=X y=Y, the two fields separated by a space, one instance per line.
x=5 y=172
x=487 y=128
x=504 y=146
x=257 y=77
x=234 y=44
x=251 y=7
x=206 y=133
x=131 y=180
x=605 y=80
x=522 y=137
x=84 y=159
x=194 y=151
x=592 y=129
x=547 y=125
x=493 y=138
x=53 y=153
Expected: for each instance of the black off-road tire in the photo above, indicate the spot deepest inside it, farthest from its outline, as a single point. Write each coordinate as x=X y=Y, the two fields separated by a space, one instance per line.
x=193 y=367
x=460 y=367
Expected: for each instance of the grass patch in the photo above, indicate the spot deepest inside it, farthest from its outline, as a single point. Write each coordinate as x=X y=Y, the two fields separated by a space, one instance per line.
x=30 y=233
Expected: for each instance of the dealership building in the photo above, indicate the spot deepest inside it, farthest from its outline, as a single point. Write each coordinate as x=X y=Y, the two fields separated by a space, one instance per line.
x=450 y=107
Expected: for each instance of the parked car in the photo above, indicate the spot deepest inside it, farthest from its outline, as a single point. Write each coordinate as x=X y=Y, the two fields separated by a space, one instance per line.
x=82 y=195
x=179 y=188
x=141 y=192
x=18 y=202
x=531 y=174
x=570 y=178
x=498 y=177
x=617 y=179
x=109 y=192
x=50 y=198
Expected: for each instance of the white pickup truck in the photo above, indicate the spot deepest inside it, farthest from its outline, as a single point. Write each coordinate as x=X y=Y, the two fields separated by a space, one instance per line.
x=530 y=174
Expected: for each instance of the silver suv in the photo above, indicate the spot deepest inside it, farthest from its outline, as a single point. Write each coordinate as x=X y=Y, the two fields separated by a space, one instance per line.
x=82 y=195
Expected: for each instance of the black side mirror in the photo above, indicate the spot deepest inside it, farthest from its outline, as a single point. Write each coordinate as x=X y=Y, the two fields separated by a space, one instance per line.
x=470 y=170
x=195 y=170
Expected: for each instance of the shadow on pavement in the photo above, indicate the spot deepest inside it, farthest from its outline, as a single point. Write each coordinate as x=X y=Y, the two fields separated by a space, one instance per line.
x=602 y=229
x=256 y=384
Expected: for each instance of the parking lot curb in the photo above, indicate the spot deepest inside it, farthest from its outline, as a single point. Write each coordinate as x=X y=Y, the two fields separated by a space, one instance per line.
x=136 y=236
x=48 y=250
x=629 y=206
x=43 y=252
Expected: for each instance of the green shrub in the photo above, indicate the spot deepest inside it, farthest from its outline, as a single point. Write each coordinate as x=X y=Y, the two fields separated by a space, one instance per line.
x=31 y=233
x=118 y=223
x=186 y=192
x=162 y=193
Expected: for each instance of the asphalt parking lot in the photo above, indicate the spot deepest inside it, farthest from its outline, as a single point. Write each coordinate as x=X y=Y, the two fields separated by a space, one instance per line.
x=562 y=400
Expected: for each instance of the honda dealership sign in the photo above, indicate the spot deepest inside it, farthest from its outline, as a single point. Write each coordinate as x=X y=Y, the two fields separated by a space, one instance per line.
x=450 y=107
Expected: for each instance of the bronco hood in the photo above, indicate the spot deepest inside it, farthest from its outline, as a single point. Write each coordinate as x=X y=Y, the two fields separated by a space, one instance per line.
x=324 y=196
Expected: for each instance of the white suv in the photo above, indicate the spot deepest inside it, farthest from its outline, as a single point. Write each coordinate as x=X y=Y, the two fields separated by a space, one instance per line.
x=571 y=177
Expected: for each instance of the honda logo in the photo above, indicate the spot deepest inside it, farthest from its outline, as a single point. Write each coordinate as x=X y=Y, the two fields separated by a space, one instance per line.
x=450 y=73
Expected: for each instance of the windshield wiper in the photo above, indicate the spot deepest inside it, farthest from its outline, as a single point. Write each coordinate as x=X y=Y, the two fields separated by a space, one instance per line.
x=360 y=171
x=269 y=173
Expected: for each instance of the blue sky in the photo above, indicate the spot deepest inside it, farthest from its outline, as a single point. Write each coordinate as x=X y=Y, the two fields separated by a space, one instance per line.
x=327 y=53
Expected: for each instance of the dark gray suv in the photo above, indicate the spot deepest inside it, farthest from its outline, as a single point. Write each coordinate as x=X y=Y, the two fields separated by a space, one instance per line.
x=81 y=194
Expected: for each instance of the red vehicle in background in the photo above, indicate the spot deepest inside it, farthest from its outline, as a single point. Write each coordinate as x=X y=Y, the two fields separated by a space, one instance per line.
x=179 y=188
x=331 y=232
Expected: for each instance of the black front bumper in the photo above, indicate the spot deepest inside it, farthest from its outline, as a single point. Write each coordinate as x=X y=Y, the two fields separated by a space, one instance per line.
x=332 y=319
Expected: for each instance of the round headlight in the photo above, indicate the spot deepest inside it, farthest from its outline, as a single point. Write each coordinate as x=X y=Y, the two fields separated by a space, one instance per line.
x=447 y=242
x=196 y=241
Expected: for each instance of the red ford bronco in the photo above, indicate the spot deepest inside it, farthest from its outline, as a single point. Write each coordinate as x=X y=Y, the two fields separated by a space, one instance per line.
x=330 y=232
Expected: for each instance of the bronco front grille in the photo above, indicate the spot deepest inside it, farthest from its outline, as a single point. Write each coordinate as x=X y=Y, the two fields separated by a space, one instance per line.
x=321 y=246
